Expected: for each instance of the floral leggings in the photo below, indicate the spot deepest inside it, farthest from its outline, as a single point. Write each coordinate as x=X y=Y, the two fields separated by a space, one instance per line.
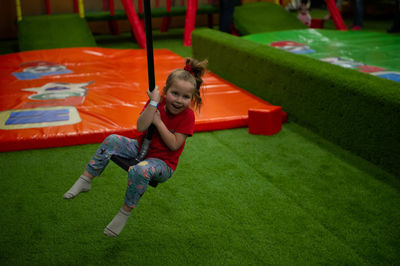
x=139 y=175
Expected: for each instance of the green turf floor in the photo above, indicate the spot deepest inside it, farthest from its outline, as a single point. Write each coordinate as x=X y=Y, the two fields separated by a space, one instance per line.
x=235 y=199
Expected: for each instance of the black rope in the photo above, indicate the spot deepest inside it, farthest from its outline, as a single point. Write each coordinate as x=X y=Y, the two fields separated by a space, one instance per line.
x=150 y=71
x=149 y=44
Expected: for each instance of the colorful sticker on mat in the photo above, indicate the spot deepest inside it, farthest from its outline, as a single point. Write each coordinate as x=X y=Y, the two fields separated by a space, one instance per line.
x=373 y=70
x=39 y=117
x=293 y=47
x=347 y=63
x=37 y=69
x=58 y=90
x=370 y=69
x=392 y=75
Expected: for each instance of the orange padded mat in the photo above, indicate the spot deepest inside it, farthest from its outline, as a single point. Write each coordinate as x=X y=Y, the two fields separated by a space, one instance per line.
x=71 y=96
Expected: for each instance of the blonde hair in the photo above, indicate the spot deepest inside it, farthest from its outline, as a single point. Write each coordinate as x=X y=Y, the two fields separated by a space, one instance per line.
x=193 y=73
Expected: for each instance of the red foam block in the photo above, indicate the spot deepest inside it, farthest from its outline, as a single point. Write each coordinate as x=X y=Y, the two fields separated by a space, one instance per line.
x=265 y=121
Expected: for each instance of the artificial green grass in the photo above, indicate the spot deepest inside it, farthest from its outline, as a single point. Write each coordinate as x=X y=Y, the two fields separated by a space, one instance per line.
x=264 y=17
x=54 y=31
x=235 y=198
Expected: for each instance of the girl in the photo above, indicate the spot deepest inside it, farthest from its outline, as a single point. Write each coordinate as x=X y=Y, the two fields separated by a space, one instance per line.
x=173 y=121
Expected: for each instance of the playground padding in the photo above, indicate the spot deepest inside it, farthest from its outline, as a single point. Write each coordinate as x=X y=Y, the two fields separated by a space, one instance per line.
x=259 y=17
x=355 y=110
x=54 y=31
x=369 y=52
x=71 y=96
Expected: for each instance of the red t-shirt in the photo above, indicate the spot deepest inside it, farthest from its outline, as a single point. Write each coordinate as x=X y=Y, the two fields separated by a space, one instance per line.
x=182 y=123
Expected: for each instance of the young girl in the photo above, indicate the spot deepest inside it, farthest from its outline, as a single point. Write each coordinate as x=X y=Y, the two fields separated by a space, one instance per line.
x=173 y=121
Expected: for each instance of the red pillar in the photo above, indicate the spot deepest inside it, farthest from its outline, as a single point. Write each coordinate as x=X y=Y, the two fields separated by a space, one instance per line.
x=140 y=7
x=190 y=21
x=112 y=24
x=136 y=26
x=166 y=20
x=335 y=14
x=76 y=8
x=48 y=7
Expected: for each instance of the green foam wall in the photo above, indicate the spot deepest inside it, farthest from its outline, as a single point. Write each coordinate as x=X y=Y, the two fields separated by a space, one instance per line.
x=264 y=17
x=355 y=110
x=54 y=31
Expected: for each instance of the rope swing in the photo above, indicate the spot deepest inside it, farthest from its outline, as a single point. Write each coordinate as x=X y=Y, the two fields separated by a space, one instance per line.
x=123 y=162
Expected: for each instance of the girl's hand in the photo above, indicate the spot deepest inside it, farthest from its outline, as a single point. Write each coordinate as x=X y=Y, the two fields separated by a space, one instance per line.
x=157 y=118
x=154 y=95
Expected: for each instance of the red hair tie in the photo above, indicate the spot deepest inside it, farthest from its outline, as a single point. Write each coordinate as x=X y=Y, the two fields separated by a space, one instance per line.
x=189 y=68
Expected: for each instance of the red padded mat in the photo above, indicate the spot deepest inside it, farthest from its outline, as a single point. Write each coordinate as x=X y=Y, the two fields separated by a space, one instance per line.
x=71 y=96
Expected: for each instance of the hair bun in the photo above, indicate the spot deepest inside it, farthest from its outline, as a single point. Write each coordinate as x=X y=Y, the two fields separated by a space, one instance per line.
x=190 y=69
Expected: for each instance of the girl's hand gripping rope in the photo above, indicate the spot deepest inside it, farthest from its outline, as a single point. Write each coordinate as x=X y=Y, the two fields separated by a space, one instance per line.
x=154 y=95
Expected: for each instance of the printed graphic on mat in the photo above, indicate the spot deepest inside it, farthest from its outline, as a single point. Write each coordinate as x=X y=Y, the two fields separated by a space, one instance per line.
x=59 y=90
x=39 y=117
x=347 y=63
x=37 y=69
x=373 y=70
x=293 y=47
x=392 y=75
x=47 y=112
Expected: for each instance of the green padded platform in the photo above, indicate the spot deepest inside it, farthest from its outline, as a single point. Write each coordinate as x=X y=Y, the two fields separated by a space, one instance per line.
x=54 y=31
x=359 y=50
x=264 y=17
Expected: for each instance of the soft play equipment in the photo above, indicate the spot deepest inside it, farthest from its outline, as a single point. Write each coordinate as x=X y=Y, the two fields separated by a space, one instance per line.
x=190 y=18
x=53 y=31
x=355 y=110
x=260 y=17
x=264 y=17
x=271 y=118
x=135 y=16
x=377 y=54
x=71 y=30
x=72 y=96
